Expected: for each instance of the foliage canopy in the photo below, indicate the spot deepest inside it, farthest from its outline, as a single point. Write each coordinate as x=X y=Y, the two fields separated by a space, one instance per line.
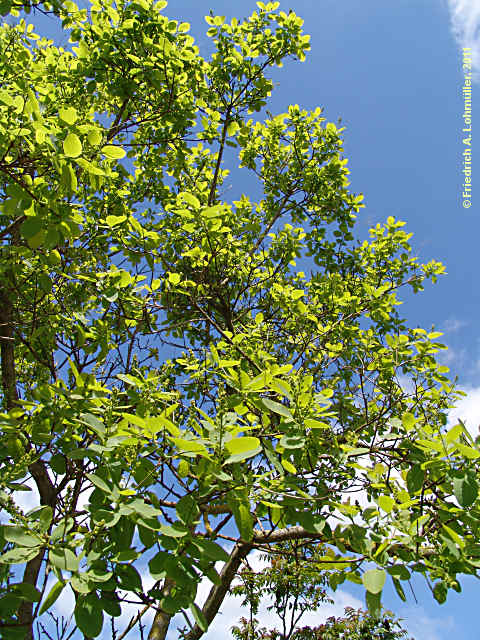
x=176 y=390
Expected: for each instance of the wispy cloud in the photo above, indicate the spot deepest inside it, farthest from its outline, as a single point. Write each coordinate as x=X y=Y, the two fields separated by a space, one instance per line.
x=425 y=627
x=465 y=17
x=451 y=325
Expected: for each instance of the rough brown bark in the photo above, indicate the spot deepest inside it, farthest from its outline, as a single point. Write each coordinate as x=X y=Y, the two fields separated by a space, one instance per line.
x=7 y=342
x=37 y=469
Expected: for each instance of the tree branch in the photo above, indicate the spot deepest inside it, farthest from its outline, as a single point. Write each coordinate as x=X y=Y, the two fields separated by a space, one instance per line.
x=218 y=592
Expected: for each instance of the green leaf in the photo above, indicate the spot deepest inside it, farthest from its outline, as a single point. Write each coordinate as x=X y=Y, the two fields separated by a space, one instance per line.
x=143 y=509
x=165 y=564
x=93 y=422
x=26 y=591
x=311 y=423
x=43 y=515
x=19 y=555
x=63 y=559
x=89 y=615
x=174 y=278
x=147 y=536
x=288 y=466
x=440 y=592
x=81 y=584
x=409 y=421
x=37 y=240
x=199 y=617
x=244 y=521
x=311 y=522
x=177 y=530
x=292 y=442
x=128 y=577
x=211 y=549
x=68 y=115
x=8 y=605
x=31 y=227
x=232 y=128
x=113 y=152
x=276 y=407
x=399 y=589
x=20 y=536
x=158 y=563
x=465 y=490
x=171 y=604
x=415 y=478
x=110 y=604
x=187 y=509
x=90 y=167
x=399 y=571
x=52 y=596
x=98 y=482
x=190 y=199
x=386 y=503
x=191 y=447
x=112 y=221
x=242 y=448
x=57 y=463
x=374 y=580
x=72 y=146
x=453 y=535
x=374 y=605
x=469 y=452
x=94 y=138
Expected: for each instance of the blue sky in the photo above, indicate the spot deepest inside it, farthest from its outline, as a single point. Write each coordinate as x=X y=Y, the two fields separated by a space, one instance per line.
x=392 y=72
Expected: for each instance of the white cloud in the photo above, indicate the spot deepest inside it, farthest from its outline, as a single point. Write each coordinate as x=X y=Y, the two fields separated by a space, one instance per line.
x=465 y=18
x=468 y=410
x=451 y=325
x=420 y=625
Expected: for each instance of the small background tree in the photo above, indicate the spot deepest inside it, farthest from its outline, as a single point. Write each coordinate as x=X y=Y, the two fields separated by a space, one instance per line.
x=293 y=584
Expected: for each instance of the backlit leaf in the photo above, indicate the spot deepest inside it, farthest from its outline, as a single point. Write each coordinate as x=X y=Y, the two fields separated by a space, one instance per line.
x=113 y=152
x=374 y=580
x=52 y=596
x=72 y=146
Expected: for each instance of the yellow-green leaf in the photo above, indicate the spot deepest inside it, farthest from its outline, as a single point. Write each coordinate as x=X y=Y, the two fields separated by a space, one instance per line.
x=68 y=115
x=72 y=146
x=374 y=580
x=94 y=138
x=242 y=445
x=52 y=596
x=288 y=466
x=113 y=152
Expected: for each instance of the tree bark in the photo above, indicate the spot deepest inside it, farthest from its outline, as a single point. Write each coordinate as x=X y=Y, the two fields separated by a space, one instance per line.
x=7 y=342
x=161 y=621
x=218 y=592
x=39 y=473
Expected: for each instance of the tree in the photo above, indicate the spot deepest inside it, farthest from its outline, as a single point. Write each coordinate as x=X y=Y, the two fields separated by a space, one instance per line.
x=176 y=390
x=355 y=625
x=293 y=584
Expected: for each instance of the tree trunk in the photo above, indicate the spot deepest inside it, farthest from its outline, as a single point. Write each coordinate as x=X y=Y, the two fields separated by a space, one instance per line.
x=37 y=469
x=161 y=621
